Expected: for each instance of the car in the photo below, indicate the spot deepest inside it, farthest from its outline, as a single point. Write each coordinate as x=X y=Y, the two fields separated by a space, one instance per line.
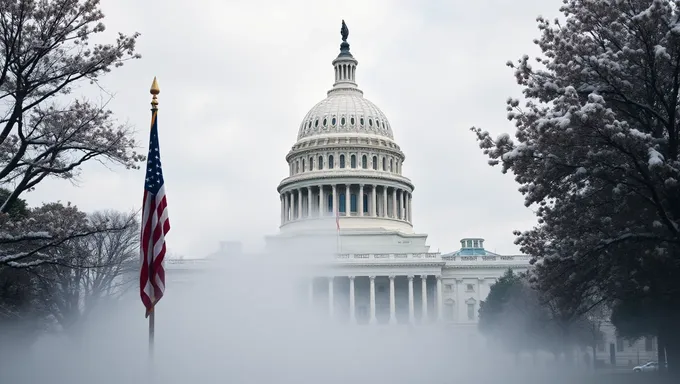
x=651 y=366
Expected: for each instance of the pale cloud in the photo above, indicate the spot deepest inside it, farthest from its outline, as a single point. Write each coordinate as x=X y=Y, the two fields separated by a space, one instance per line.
x=237 y=77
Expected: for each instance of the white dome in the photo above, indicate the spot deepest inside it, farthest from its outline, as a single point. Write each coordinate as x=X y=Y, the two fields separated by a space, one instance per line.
x=345 y=111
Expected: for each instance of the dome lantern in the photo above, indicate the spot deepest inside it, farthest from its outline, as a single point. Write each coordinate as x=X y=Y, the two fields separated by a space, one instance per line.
x=345 y=64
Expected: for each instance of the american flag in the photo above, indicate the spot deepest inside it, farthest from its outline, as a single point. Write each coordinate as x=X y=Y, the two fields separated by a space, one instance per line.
x=155 y=225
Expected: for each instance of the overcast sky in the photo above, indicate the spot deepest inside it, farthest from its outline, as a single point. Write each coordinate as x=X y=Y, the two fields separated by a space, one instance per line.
x=238 y=76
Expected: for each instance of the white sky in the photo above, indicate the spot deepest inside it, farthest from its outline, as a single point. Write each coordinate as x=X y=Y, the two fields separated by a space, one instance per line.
x=238 y=76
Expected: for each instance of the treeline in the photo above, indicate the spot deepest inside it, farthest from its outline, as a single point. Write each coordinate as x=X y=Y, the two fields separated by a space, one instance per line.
x=596 y=154
x=57 y=262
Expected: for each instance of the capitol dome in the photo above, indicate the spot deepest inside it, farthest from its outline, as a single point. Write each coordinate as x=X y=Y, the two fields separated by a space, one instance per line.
x=345 y=110
x=345 y=162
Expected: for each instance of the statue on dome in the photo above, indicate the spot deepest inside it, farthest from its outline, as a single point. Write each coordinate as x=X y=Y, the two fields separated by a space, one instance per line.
x=344 y=31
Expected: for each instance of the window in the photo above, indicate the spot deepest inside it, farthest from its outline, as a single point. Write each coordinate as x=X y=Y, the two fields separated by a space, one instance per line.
x=311 y=163
x=450 y=310
x=303 y=165
x=448 y=287
x=365 y=203
x=320 y=164
x=331 y=163
x=341 y=203
x=471 y=311
x=330 y=202
x=649 y=344
x=381 y=288
x=364 y=162
x=375 y=162
x=470 y=288
x=353 y=161
x=353 y=203
x=342 y=161
x=297 y=167
x=391 y=165
x=619 y=344
x=384 y=164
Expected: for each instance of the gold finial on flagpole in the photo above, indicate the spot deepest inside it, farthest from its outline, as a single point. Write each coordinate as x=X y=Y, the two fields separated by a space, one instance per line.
x=154 y=91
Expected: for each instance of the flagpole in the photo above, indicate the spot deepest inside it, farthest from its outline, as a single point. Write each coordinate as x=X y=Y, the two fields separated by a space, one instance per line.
x=155 y=90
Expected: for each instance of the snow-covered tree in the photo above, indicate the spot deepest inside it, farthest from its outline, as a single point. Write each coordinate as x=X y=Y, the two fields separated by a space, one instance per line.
x=46 y=130
x=596 y=150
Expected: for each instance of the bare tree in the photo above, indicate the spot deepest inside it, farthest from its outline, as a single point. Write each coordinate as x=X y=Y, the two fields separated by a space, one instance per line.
x=100 y=266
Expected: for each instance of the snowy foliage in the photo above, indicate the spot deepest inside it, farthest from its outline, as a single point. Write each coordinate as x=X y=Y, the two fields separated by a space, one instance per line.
x=46 y=131
x=46 y=52
x=597 y=141
x=42 y=236
x=596 y=151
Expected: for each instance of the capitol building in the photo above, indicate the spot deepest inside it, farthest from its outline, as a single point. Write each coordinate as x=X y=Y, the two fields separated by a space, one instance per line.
x=347 y=205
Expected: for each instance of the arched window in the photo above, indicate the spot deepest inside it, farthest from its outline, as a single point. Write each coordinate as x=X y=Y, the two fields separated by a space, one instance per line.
x=331 y=164
x=365 y=203
x=303 y=165
x=341 y=202
x=375 y=162
x=353 y=203
x=364 y=162
x=471 y=308
x=311 y=163
x=342 y=161
x=384 y=164
x=353 y=161
x=391 y=168
x=320 y=162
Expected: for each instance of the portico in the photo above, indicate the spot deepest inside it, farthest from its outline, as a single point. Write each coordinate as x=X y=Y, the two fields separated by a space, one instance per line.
x=372 y=299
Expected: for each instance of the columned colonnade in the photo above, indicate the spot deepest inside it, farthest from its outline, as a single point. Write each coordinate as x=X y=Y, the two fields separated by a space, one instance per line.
x=364 y=200
x=372 y=319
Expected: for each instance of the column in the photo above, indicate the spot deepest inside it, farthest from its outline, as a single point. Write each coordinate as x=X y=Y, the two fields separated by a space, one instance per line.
x=394 y=203
x=384 y=202
x=299 y=206
x=372 y=319
x=360 y=208
x=410 y=214
x=347 y=200
x=374 y=201
x=423 y=280
x=331 y=301
x=393 y=307
x=309 y=201
x=310 y=293
x=322 y=206
x=283 y=209
x=440 y=299
x=352 y=306
x=411 y=307
x=334 y=200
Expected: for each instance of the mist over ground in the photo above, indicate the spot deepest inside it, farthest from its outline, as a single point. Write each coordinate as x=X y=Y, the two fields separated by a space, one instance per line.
x=248 y=321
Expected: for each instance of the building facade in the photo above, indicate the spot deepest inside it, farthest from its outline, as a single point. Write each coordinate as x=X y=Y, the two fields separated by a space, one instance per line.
x=347 y=206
